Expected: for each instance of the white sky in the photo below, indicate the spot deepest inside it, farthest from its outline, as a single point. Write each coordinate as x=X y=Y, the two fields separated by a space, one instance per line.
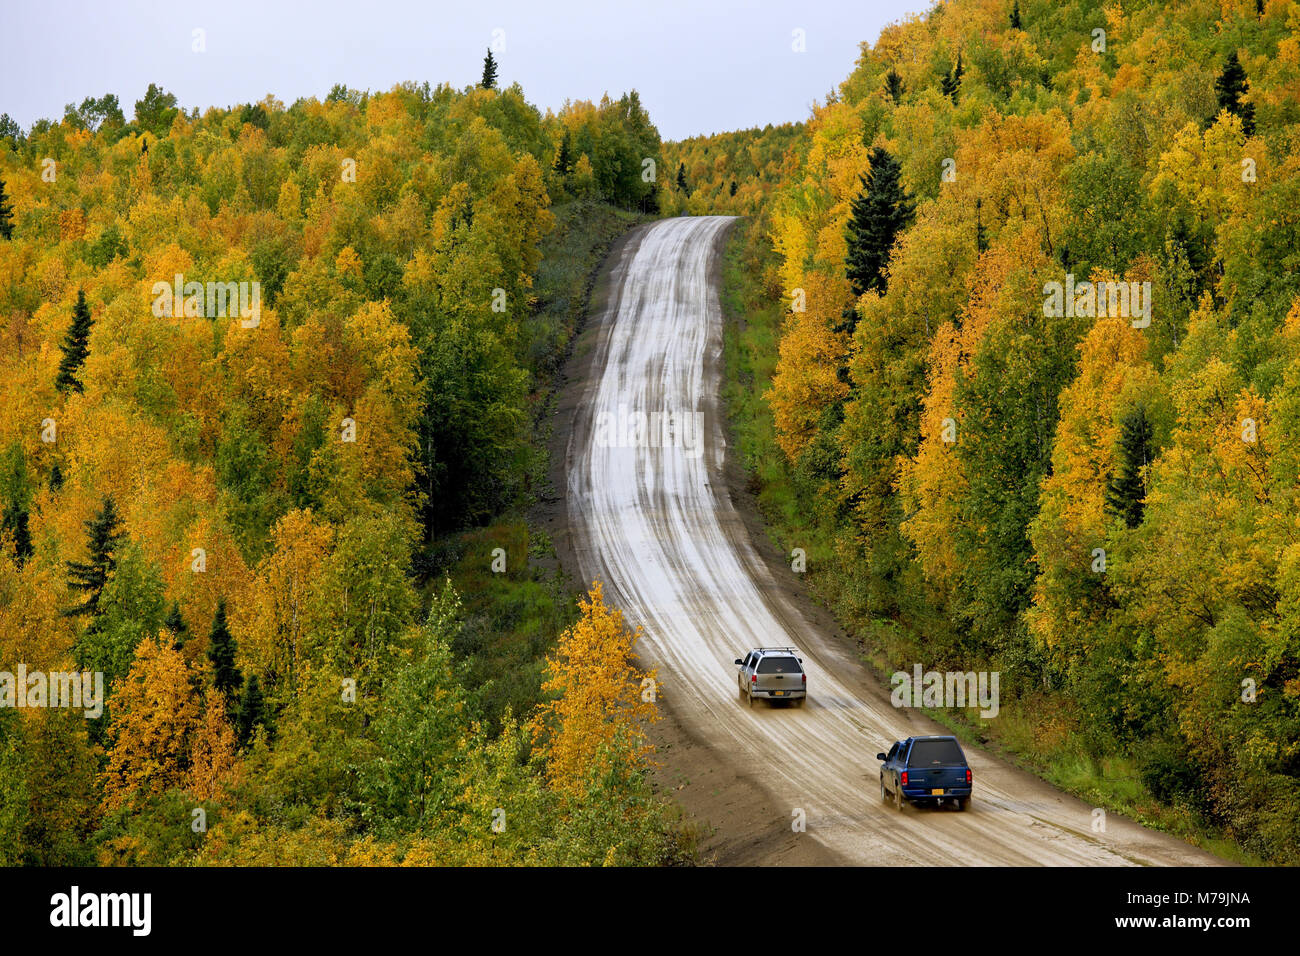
x=700 y=66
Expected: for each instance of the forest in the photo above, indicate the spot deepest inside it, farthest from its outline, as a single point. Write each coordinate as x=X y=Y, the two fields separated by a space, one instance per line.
x=294 y=539
x=292 y=535
x=1098 y=501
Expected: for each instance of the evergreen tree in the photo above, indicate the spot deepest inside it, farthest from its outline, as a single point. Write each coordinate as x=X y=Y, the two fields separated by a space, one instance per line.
x=56 y=477
x=6 y=214
x=1015 y=16
x=176 y=626
x=75 y=347
x=89 y=577
x=564 y=159
x=1231 y=86
x=952 y=80
x=15 y=522
x=251 y=711
x=981 y=237
x=226 y=676
x=1125 y=492
x=733 y=187
x=877 y=216
x=894 y=85
x=17 y=500
x=681 y=177
x=489 y=80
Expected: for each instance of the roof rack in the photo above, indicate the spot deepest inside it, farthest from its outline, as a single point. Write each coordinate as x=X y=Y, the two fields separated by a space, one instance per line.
x=794 y=650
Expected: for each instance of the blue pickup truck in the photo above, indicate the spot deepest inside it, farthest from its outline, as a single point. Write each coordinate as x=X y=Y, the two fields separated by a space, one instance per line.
x=925 y=770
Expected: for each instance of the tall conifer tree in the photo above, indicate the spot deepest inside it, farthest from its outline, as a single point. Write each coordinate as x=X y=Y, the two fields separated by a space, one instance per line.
x=90 y=576
x=226 y=676
x=1125 y=493
x=6 y=214
x=1231 y=86
x=877 y=216
x=75 y=347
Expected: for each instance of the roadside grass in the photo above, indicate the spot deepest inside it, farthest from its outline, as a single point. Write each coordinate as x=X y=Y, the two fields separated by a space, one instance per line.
x=571 y=252
x=751 y=337
x=511 y=618
x=1037 y=733
x=514 y=614
x=515 y=599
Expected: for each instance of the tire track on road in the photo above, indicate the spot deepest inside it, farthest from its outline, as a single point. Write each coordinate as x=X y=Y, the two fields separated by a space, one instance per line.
x=656 y=525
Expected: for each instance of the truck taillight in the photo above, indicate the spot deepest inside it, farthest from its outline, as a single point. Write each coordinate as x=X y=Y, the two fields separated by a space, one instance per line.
x=903 y=780
x=753 y=678
x=805 y=678
x=968 y=774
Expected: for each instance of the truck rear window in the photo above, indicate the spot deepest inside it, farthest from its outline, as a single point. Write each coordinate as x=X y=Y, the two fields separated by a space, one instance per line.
x=779 y=665
x=935 y=753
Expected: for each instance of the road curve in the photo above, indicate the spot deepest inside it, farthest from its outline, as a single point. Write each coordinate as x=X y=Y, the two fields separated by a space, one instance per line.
x=652 y=519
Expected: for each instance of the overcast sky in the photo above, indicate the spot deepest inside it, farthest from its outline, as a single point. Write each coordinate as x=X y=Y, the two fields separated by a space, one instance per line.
x=701 y=66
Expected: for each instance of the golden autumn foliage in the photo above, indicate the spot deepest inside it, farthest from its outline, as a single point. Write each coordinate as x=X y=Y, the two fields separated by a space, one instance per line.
x=806 y=379
x=214 y=757
x=1114 y=375
x=932 y=483
x=602 y=703
x=302 y=465
x=273 y=626
x=1103 y=507
x=155 y=720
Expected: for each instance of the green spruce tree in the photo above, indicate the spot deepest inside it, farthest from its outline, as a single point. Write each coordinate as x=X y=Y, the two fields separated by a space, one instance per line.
x=1126 y=492
x=16 y=496
x=489 y=80
x=1015 y=16
x=951 y=82
x=226 y=676
x=877 y=216
x=6 y=214
x=89 y=577
x=251 y=711
x=1231 y=86
x=681 y=177
x=176 y=626
x=894 y=86
x=75 y=347
x=564 y=158
x=16 y=523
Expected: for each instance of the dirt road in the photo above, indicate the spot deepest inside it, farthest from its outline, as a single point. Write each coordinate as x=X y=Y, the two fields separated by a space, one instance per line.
x=651 y=517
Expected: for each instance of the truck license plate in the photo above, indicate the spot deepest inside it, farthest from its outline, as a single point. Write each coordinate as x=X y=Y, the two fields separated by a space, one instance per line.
x=776 y=693
x=938 y=792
